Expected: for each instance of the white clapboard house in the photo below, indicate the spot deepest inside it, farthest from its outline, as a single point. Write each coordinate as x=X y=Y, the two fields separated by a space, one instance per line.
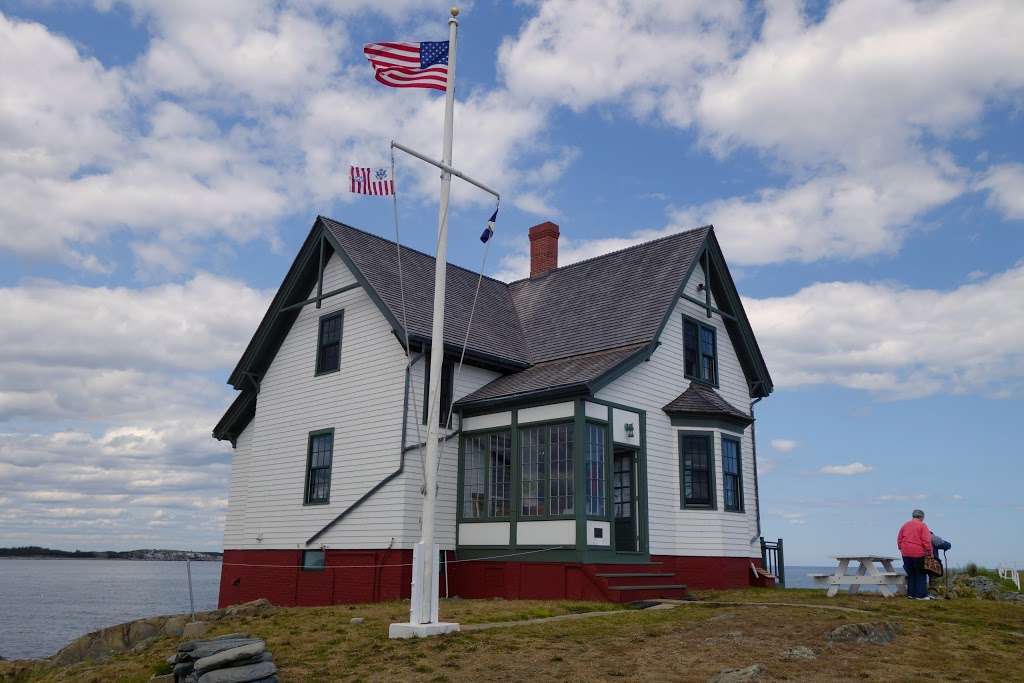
x=601 y=444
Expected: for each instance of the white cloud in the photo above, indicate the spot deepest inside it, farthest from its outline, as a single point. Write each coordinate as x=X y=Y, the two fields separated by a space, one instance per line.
x=855 y=107
x=895 y=341
x=852 y=469
x=648 y=55
x=250 y=48
x=796 y=518
x=850 y=215
x=109 y=401
x=234 y=116
x=1005 y=185
x=198 y=325
x=783 y=445
x=74 y=489
x=893 y=497
x=173 y=172
x=497 y=141
x=864 y=83
x=58 y=109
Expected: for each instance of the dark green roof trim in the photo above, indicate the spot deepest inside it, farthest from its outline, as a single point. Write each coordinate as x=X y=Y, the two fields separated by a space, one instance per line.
x=361 y=279
x=749 y=352
x=275 y=324
x=523 y=399
x=640 y=356
x=236 y=417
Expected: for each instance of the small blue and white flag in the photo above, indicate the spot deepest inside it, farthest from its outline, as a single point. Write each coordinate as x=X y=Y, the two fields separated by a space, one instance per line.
x=488 y=232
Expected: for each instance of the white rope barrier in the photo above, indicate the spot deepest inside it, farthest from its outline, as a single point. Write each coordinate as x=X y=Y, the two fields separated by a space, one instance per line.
x=403 y=564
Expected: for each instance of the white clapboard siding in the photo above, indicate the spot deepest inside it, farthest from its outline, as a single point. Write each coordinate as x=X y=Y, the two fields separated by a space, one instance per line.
x=234 y=522
x=362 y=403
x=469 y=380
x=650 y=386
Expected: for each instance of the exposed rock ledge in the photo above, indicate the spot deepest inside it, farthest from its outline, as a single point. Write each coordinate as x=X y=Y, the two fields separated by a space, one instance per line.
x=134 y=634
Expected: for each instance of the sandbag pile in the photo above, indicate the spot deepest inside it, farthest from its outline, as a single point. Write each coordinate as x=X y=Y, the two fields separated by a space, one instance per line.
x=234 y=658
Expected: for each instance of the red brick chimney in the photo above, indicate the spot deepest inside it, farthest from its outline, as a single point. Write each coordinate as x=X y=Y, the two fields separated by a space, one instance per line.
x=543 y=248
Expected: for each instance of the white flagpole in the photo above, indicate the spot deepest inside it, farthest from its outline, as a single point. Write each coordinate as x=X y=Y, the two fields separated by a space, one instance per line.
x=423 y=617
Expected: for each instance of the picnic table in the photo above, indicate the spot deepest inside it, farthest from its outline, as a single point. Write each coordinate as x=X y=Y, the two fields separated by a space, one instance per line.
x=869 y=573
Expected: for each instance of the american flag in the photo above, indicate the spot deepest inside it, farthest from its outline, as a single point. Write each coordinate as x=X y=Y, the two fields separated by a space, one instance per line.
x=410 y=65
x=375 y=181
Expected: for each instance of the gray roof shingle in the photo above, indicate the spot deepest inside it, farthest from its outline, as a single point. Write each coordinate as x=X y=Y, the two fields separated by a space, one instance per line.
x=530 y=321
x=571 y=325
x=626 y=293
x=495 y=331
x=702 y=401
x=554 y=376
x=566 y=329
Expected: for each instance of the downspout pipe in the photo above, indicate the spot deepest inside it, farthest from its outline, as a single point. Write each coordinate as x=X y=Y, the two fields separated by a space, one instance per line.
x=757 y=492
x=401 y=461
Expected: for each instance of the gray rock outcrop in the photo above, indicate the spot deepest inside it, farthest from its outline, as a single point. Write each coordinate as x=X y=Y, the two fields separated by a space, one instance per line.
x=753 y=672
x=878 y=633
x=141 y=632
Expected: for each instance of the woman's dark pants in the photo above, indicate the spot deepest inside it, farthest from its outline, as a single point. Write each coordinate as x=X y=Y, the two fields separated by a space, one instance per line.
x=917 y=580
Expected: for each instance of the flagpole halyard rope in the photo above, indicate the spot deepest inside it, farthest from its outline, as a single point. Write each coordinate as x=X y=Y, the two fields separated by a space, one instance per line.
x=469 y=326
x=405 y=322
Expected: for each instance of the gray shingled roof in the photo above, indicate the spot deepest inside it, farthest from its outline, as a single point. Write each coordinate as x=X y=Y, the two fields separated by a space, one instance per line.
x=563 y=375
x=567 y=328
x=702 y=401
x=495 y=330
x=627 y=294
x=572 y=325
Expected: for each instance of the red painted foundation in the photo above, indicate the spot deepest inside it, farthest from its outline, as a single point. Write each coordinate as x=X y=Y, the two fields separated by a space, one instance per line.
x=350 y=576
x=353 y=576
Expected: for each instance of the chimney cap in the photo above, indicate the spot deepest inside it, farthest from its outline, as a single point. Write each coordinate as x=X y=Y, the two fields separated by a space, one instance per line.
x=545 y=229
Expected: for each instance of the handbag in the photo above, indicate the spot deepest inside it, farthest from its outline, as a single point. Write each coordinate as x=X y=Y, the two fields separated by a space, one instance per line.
x=932 y=567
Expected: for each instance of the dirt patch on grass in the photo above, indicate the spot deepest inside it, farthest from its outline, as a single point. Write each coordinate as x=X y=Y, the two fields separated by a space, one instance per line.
x=689 y=643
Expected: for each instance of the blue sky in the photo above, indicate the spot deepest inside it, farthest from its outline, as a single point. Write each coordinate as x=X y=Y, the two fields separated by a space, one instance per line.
x=163 y=161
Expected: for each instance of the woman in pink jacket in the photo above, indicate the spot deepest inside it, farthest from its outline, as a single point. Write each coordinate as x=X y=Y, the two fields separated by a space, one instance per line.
x=915 y=543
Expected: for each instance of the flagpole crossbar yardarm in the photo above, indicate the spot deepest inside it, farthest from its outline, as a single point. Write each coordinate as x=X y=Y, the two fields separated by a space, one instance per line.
x=444 y=167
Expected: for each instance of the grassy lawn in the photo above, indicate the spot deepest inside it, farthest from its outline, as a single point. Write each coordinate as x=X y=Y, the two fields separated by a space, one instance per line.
x=941 y=640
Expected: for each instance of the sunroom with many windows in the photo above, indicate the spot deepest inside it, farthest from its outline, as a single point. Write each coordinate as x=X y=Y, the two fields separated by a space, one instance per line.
x=561 y=479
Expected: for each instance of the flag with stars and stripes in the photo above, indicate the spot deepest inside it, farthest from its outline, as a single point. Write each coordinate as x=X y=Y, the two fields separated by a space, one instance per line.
x=375 y=181
x=410 y=65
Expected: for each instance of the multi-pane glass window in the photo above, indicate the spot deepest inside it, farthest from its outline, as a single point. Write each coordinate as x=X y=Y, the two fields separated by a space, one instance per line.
x=499 y=489
x=546 y=470
x=732 y=479
x=700 y=353
x=622 y=486
x=487 y=475
x=708 y=365
x=328 y=351
x=595 y=470
x=318 y=467
x=696 y=470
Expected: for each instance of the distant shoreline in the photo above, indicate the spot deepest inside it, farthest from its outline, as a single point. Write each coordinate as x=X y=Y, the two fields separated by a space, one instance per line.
x=217 y=558
x=33 y=552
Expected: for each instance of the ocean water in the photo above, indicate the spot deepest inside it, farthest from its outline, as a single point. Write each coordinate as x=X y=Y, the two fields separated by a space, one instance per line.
x=45 y=604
